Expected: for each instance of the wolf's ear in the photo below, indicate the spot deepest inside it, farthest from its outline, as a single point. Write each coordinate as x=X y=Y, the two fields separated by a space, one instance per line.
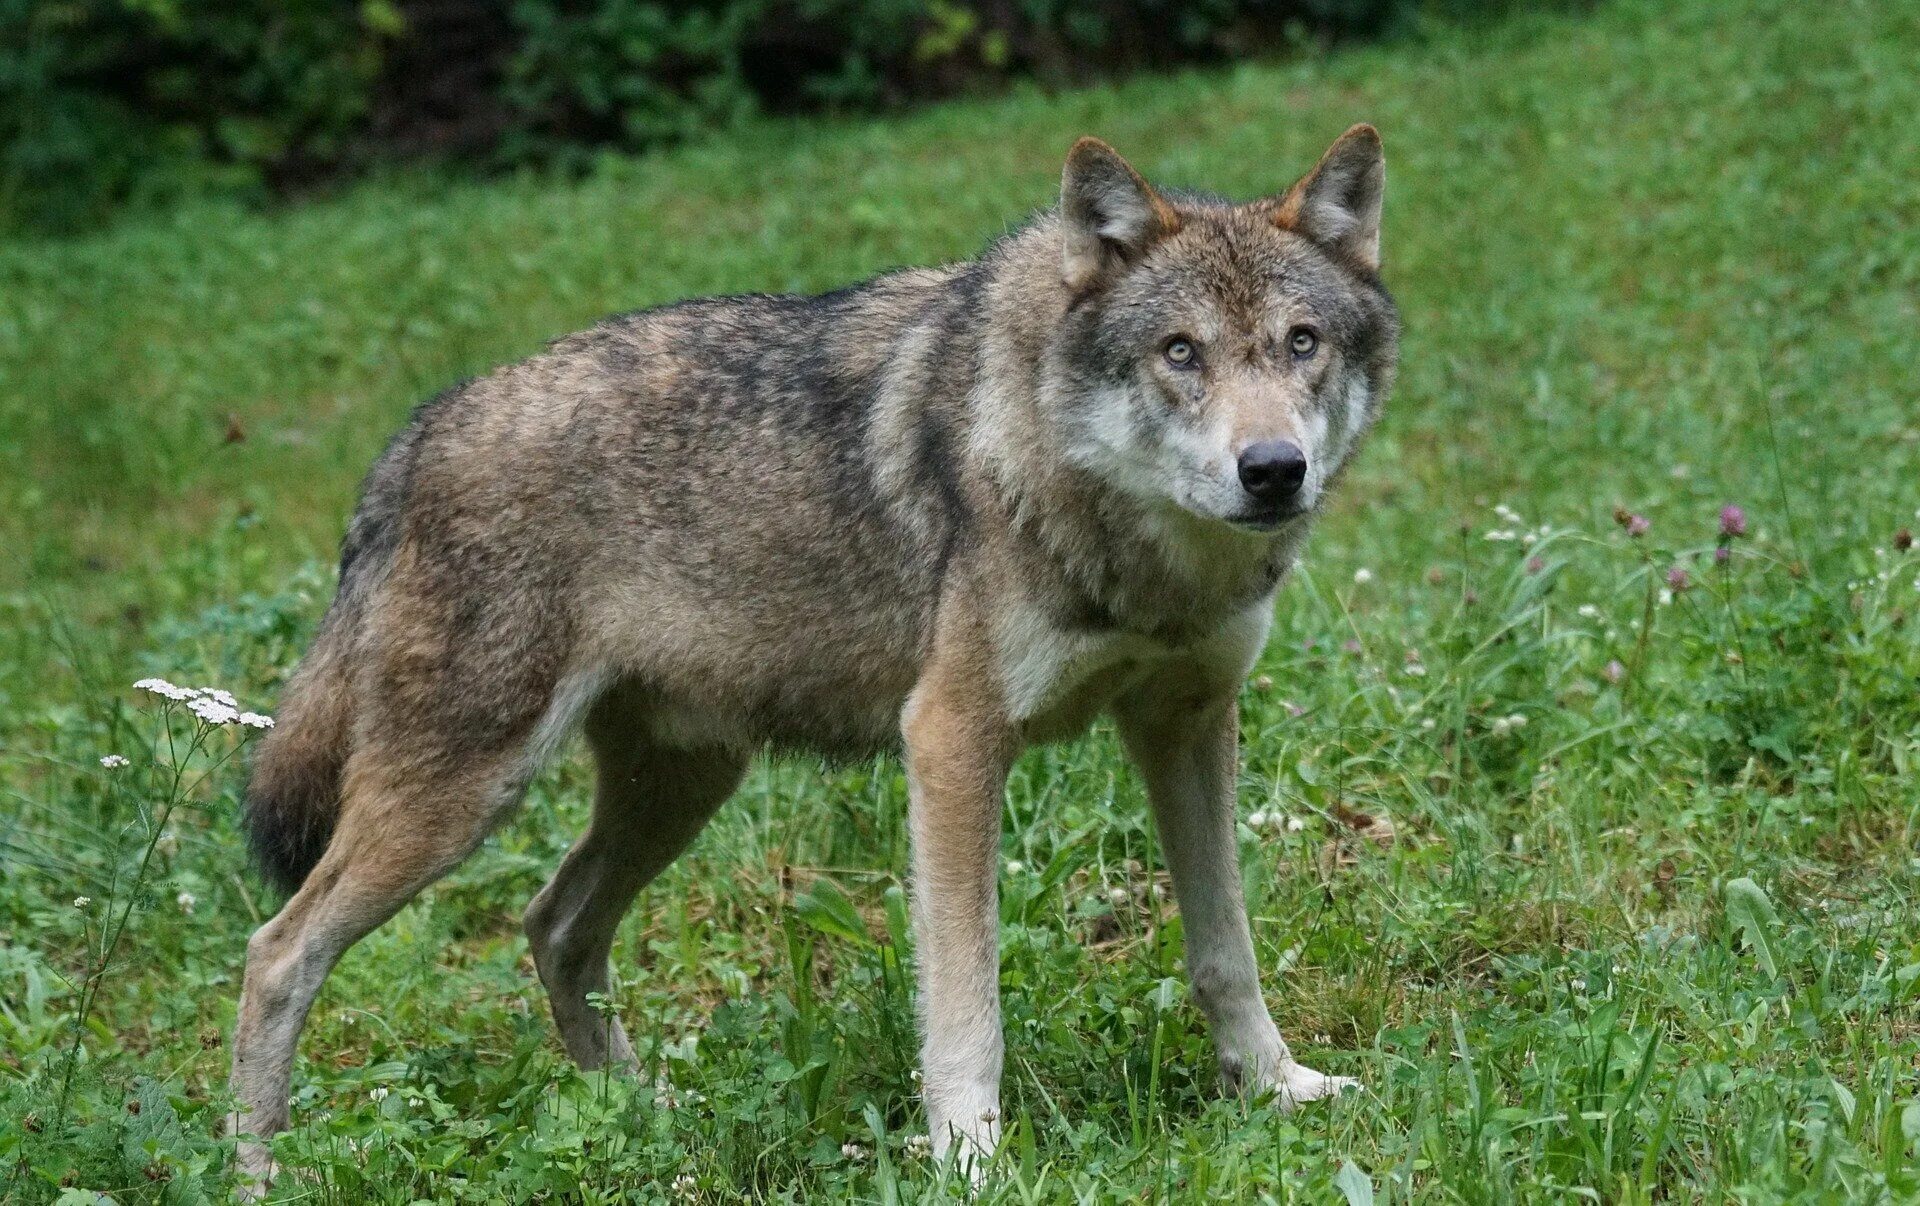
x=1337 y=204
x=1110 y=214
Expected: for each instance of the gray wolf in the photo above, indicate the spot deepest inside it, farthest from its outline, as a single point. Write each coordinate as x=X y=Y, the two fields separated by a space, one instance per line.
x=952 y=511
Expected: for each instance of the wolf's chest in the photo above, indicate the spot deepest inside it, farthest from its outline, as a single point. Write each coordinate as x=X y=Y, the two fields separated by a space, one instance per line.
x=1055 y=680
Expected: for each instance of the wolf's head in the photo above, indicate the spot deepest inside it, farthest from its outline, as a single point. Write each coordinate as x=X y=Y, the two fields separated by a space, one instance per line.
x=1223 y=359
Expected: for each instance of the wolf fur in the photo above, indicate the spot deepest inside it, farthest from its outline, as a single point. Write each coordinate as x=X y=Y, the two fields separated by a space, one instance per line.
x=950 y=511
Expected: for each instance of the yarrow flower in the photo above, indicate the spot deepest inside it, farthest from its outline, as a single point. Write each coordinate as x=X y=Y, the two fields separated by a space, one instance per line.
x=210 y=704
x=213 y=711
x=166 y=690
x=1733 y=521
x=81 y=902
x=113 y=762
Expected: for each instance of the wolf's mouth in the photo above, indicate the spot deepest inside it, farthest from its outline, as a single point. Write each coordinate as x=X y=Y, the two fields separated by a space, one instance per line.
x=1266 y=519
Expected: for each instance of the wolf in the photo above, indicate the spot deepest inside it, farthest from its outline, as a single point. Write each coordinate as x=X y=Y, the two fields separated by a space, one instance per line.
x=952 y=512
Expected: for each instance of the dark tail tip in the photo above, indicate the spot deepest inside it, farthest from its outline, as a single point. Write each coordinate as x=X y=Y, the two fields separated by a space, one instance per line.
x=293 y=797
x=287 y=836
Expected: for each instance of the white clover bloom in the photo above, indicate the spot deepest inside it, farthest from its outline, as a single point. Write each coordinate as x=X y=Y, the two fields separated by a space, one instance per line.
x=186 y=902
x=1257 y=821
x=1589 y=612
x=81 y=902
x=1528 y=539
x=989 y=1115
x=1295 y=824
x=255 y=720
x=1517 y=721
x=113 y=762
x=1362 y=576
x=1015 y=866
x=853 y=1152
x=1427 y=725
x=684 y=1186
x=1118 y=896
x=1666 y=596
x=919 y=1146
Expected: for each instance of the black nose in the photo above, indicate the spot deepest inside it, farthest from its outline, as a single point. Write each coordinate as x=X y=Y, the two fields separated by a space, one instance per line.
x=1273 y=470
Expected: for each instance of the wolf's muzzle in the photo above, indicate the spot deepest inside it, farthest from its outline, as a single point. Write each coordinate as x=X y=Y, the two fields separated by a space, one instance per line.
x=1273 y=471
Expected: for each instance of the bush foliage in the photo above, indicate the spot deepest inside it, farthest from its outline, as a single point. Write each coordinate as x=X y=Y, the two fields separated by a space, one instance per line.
x=105 y=102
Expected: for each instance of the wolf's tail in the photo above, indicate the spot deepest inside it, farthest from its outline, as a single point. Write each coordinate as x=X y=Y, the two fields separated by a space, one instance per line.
x=293 y=797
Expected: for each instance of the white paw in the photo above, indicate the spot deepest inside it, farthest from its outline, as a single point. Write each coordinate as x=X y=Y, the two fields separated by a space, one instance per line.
x=1294 y=1083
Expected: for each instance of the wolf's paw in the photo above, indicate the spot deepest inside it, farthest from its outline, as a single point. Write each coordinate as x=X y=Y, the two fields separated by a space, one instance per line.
x=1294 y=1083
x=254 y=1171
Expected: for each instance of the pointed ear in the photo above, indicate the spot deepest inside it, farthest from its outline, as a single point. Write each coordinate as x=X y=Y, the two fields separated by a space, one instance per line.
x=1337 y=204
x=1109 y=213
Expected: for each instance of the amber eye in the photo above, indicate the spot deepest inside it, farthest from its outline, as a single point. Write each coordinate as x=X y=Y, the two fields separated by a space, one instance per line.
x=1303 y=343
x=1180 y=353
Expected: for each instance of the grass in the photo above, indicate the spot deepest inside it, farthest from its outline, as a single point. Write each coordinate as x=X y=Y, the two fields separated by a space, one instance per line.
x=1652 y=939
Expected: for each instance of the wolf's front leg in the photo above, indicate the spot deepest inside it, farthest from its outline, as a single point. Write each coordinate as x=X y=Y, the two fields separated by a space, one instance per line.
x=1187 y=748
x=958 y=752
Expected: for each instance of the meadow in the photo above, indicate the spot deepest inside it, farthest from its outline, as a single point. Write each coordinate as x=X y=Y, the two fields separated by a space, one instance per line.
x=1578 y=797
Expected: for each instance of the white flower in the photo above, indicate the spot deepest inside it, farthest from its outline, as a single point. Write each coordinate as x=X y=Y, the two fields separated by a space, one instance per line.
x=1577 y=984
x=1257 y=821
x=1501 y=534
x=989 y=1115
x=1527 y=538
x=1427 y=725
x=919 y=1146
x=166 y=690
x=853 y=1151
x=113 y=762
x=1362 y=576
x=1015 y=866
x=1118 y=896
x=212 y=711
x=1295 y=824
x=219 y=696
x=1517 y=721
x=254 y=720
x=684 y=1186
x=1508 y=514
x=1589 y=612
x=380 y=1092
x=1507 y=724
x=186 y=902
x=1666 y=596
x=81 y=902
x=1416 y=669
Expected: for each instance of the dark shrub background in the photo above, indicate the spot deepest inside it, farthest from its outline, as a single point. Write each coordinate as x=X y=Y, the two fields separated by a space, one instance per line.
x=111 y=103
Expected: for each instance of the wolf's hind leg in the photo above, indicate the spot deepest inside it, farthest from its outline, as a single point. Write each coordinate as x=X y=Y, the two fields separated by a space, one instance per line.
x=405 y=821
x=650 y=802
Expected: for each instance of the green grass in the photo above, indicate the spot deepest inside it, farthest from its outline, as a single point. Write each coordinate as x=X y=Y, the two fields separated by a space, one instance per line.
x=1658 y=941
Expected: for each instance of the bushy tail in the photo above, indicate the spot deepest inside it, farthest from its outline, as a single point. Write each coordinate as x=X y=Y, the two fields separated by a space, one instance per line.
x=293 y=797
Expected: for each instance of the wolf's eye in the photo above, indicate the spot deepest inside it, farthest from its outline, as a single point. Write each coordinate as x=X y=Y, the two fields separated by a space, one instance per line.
x=1179 y=353
x=1303 y=343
